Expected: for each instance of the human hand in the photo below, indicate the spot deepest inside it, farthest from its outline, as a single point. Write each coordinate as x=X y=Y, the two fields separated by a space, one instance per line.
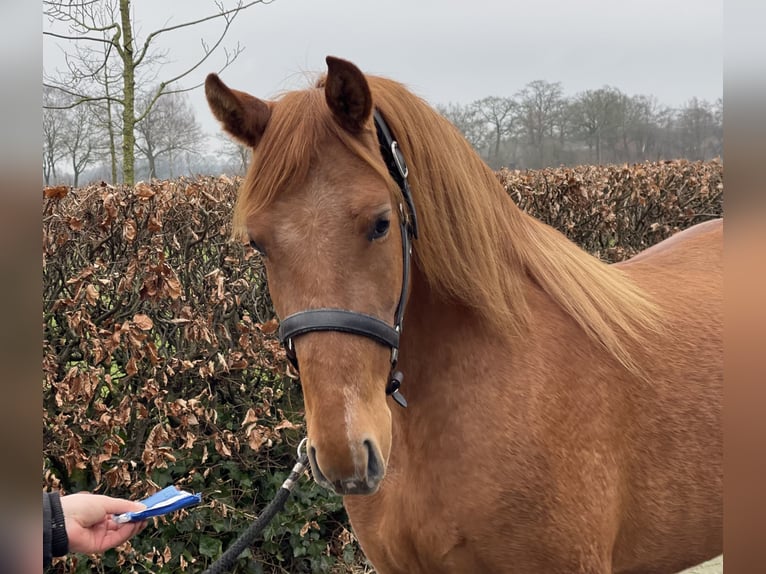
x=89 y=524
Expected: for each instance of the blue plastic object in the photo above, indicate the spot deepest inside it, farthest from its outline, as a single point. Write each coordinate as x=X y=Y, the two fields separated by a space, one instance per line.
x=166 y=500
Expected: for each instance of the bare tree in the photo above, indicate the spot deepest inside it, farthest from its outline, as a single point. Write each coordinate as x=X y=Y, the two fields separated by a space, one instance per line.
x=597 y=116
x=668 y=145
x=468 y=121
x=499 y=113
x=718 y=119
x=640 y=127
x=168 y=127
x=53 y=127
x=109 y=25
x=235 y=156
x=81 y=140
x=697 y=130
x=540 y=109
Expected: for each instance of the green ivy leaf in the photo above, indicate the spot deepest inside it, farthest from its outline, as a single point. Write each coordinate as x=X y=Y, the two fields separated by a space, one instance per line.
x=210 y=547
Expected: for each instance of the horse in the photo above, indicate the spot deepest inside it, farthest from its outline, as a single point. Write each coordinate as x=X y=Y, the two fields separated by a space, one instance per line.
x=562 y=414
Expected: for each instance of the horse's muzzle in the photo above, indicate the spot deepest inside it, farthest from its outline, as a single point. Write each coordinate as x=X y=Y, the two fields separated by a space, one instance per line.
x=365 y=480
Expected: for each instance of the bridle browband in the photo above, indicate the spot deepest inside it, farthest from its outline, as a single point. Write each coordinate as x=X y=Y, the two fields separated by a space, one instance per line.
x=360 y=323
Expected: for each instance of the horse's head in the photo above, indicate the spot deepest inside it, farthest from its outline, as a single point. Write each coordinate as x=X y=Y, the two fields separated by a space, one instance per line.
x=320 y=205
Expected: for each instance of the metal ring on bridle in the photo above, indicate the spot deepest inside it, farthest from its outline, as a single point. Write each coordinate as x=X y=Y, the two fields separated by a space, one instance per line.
x=301 y=445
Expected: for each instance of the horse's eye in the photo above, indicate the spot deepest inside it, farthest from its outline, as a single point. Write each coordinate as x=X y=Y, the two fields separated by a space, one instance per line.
x=381 y=228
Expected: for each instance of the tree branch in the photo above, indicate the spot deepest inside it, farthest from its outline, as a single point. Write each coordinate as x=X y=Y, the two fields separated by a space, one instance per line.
x=79 y=98
x=64 y=13
x=77 y=38
x=222 y=14
x=229 y=60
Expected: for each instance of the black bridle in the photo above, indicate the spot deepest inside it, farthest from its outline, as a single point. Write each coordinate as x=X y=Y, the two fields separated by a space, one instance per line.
x=360 y=323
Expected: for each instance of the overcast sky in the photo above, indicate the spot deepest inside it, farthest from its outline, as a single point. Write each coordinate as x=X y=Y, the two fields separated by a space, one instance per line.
x=449 y=51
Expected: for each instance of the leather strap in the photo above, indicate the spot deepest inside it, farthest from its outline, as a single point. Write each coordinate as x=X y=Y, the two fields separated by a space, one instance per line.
x=397 y=168
x=338 y=320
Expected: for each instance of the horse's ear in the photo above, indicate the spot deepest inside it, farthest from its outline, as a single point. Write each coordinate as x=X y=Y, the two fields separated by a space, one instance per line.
x=348 y=94
x=242 y=115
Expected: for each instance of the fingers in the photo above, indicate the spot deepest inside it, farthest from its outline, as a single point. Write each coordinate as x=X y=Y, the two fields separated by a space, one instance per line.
x=89 y=508
x=122 y=534
x=119 y=505
x=112 y=525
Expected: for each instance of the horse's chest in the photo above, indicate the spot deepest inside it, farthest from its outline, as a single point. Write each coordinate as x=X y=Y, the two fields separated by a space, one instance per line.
x=402 y=533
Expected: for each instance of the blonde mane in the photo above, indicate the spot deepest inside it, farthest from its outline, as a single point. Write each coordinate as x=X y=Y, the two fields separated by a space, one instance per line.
x=475 y=244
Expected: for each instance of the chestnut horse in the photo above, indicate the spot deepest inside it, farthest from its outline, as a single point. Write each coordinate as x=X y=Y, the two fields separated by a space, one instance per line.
x=564 y=415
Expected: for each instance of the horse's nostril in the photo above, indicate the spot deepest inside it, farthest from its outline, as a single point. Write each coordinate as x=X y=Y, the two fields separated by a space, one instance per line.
x=315 y=470
x=374 y=466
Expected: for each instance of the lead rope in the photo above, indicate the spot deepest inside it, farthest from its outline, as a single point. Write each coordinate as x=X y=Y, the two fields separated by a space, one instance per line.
x=246 y=539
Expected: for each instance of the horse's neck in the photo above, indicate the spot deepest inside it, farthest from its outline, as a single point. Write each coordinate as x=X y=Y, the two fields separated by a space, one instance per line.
x=442 y=339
